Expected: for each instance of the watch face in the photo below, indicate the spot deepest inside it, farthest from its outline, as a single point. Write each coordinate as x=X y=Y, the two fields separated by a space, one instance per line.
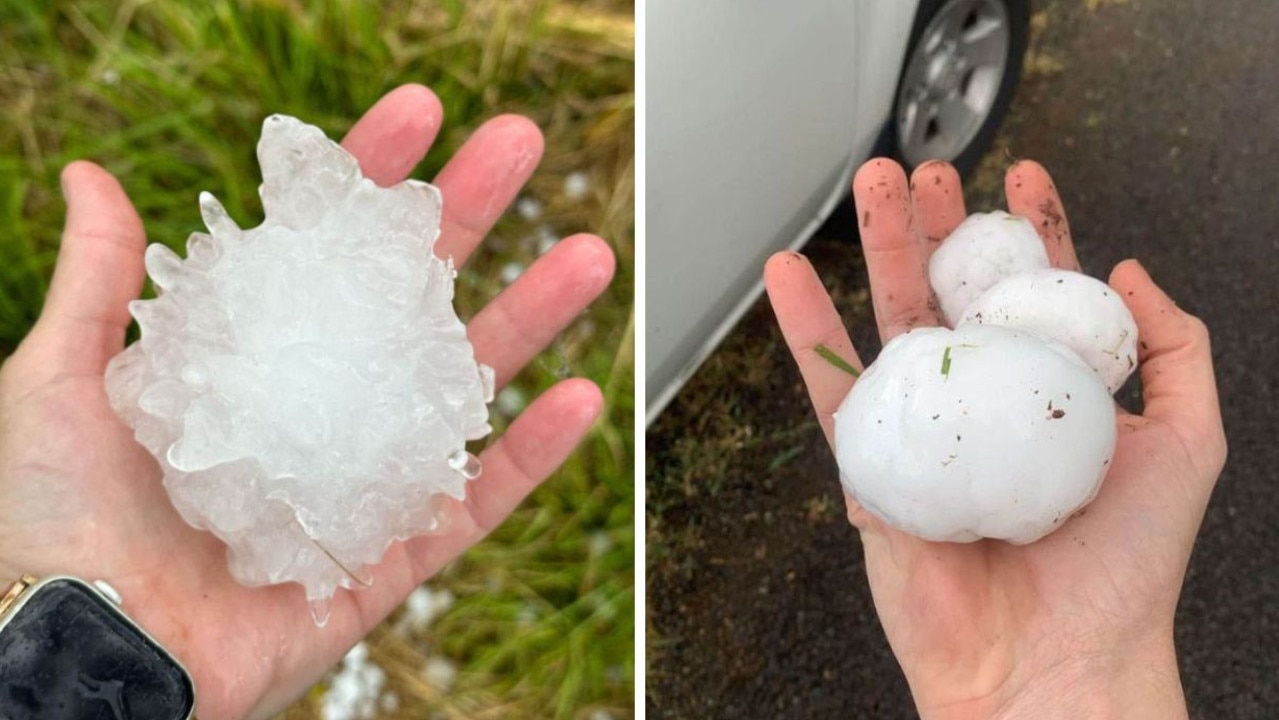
x=68 y=654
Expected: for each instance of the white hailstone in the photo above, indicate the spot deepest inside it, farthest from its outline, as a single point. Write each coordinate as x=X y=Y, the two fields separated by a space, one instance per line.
x=981 y=431
x=511 y=272
x=424 y=606
x=599 y=543
x=306 y=385
x=511 y=401
x=354 y=692
x=546 y=239
x=601 y=715
x=390 y=702
x=528 y=208
x=984 y=249
x=356 y=656
x=576 y=185
x=440 y=672
x=1078 y=311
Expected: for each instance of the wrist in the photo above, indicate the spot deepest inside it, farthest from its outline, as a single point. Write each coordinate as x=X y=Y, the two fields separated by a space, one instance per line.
x=1135 y=681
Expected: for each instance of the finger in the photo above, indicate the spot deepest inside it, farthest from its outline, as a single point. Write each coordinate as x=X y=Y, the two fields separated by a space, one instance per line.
x=482 y=179
x=808 y=320
x=99 y=270
x=394 y=135
x=1032 y=195
x=937 y=201
x=528 y=315
x=1176 y=360
x=537 y=443
x=894 y=257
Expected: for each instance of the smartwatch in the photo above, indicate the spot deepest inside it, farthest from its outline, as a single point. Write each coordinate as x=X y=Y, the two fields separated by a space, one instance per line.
x=68 y=652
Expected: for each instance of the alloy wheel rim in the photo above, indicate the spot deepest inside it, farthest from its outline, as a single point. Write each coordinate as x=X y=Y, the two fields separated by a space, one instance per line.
x=952 y=79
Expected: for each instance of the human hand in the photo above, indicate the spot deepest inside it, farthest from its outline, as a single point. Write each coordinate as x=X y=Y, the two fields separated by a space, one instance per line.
x=79 y=496
x=1078 y=624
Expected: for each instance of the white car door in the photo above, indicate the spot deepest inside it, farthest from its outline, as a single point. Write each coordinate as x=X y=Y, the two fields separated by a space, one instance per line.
x=756 y=113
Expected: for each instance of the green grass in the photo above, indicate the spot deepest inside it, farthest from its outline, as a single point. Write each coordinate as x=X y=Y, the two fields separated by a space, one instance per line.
x=170 y=97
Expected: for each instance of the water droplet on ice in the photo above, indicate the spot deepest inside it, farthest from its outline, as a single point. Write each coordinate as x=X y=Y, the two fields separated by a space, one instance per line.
x=465 y=464
x=320 y=610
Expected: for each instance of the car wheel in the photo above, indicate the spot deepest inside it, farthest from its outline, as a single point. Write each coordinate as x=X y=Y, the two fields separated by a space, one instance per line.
x=962 y=66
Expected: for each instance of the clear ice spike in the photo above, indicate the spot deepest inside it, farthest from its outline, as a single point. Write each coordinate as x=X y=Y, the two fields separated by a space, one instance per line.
x=465 y=464
x=164 y=266
x=216 y=218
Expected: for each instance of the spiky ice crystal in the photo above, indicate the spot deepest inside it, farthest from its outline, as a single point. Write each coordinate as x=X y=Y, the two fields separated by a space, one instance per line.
x=306 y=385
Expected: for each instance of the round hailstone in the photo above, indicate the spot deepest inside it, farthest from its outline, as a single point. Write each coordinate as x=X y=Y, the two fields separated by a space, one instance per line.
x=306 y=385
x=1074 y=309
x=985 y=249
x=981 y=431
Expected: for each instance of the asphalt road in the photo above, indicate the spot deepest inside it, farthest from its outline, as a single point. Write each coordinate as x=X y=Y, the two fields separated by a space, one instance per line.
x=1162 y=132
x=1159 y=120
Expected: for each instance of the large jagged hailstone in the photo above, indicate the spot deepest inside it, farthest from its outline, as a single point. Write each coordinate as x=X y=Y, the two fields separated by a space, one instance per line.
x=981 y=431
x=985 y=249
x=1081 y=312
x=306 y=385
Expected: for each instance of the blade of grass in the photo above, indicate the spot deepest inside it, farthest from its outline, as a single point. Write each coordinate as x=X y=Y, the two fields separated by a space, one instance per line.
x=831 y=357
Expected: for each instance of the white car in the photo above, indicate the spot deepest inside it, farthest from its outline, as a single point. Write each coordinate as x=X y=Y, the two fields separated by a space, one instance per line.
x=759 y=111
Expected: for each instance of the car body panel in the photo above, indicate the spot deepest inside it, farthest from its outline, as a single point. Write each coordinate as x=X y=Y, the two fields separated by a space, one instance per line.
x=756 y=116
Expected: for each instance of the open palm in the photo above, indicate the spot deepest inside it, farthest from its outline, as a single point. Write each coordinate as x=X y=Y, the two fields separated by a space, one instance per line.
x=79 y=496
x=1065 y=626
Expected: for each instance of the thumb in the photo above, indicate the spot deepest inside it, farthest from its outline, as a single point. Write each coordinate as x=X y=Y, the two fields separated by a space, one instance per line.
x=1176 y=364
x=99 y=271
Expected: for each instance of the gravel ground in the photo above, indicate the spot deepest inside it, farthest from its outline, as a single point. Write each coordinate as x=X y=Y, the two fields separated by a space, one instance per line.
x=1159 y=120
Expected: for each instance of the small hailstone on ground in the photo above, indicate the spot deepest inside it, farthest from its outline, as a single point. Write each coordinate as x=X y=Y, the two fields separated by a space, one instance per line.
x=440 y=672
x=306 y=385
x=599 y=542
x=576 y=185
x=511 y=272
x=511 y=401
x=601 y=715
x=984 y=249
x=546 y=239
x=356 y=656
x=354 y=692
x=390 y=702
x=424 y=605
x=528 y=208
